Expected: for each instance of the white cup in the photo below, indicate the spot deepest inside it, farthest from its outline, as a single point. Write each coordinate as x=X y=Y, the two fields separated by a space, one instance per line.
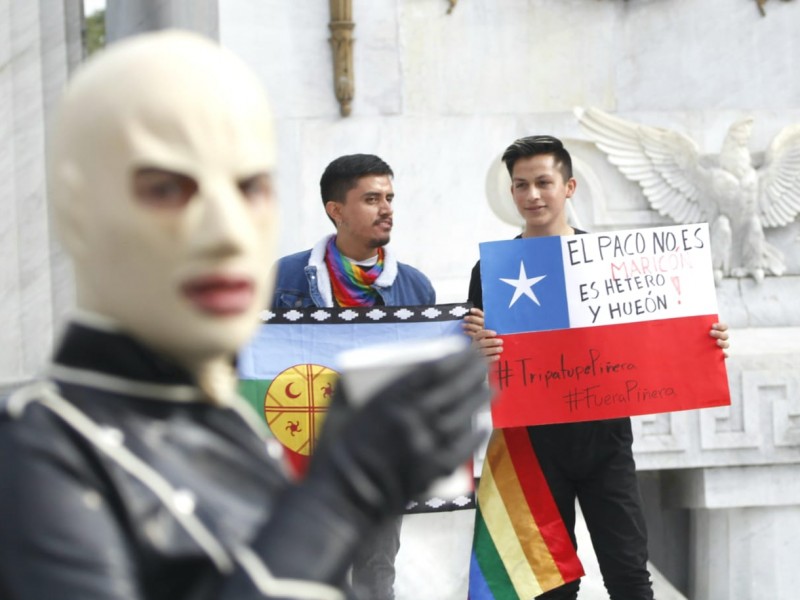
x=364 y=371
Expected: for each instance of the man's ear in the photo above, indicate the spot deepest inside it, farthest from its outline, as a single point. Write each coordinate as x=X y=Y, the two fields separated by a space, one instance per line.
x=571 y=185
x=334 y=210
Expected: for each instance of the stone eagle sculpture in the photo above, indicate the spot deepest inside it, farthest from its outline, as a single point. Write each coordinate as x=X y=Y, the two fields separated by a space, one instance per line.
x=735 y=197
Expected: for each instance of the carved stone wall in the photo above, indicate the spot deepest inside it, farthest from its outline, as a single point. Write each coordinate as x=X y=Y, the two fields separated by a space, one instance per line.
x=762 y=425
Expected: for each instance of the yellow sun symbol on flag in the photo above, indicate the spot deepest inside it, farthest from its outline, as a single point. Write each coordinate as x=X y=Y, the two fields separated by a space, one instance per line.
x=296 y=403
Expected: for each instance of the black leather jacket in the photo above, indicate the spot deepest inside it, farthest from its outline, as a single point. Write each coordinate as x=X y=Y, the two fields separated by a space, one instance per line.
x=120 y=482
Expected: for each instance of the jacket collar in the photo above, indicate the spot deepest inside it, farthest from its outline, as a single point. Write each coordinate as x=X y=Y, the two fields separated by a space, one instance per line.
x=95 y=352
x=317 y=260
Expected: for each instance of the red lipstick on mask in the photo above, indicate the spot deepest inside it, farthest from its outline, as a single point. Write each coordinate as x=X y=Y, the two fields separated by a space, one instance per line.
x=220 y=295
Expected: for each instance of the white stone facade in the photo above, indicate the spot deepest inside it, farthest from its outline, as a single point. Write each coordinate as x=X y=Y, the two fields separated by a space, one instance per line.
x=439 y=96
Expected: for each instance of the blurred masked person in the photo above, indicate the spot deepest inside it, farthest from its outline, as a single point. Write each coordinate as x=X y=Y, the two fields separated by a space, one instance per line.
x=132 y=470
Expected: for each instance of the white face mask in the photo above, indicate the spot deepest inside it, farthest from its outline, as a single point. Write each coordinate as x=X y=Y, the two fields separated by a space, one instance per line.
x=188 y=279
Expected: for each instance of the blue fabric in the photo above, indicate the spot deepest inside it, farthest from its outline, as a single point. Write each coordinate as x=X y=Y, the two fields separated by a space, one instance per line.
x=478 y=588
x=280 y=346
x=297 y=285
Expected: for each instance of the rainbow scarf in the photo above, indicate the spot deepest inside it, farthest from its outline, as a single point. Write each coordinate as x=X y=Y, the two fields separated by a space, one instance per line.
x=521 y=547
x=352 y=284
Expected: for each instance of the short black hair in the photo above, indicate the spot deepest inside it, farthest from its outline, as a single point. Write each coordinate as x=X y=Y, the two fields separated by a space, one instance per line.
x=534 y=145
x=342 y=175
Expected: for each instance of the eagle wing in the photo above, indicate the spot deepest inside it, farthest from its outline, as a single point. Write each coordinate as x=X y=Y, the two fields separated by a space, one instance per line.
x=666 y=164
x=779 y=179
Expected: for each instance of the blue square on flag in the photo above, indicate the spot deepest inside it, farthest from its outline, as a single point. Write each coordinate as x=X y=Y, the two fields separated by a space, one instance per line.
x=523 y=285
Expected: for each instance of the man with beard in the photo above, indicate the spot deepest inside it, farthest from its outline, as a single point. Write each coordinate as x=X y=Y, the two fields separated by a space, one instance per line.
x=355 y=267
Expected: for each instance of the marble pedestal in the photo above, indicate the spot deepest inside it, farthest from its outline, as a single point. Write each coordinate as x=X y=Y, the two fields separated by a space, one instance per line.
x=729 y=478
x=744 y=525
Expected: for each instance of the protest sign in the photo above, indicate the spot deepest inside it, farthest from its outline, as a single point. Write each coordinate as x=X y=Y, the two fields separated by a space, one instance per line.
x=606 y=325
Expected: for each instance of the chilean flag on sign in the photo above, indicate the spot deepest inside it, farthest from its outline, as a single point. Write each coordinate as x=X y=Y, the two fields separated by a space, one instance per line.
x=600 y=326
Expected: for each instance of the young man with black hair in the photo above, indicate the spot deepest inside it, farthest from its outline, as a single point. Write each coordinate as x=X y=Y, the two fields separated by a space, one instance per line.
x=593 y=460
x=355 y=267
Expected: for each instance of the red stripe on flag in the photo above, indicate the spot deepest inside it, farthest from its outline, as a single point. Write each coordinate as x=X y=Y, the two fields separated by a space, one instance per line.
x=298 y=463
x=605 y=372
x=542 y=505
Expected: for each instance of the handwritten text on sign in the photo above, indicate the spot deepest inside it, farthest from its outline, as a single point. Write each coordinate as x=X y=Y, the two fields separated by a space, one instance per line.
x=609 y=325
x=639 y=275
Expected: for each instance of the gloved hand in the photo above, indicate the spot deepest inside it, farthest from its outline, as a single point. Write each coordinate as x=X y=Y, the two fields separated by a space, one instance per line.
x=413 y=431
x=371 y=461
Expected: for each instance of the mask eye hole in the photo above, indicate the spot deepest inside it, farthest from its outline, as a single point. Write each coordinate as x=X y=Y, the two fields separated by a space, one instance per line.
x=256 y=189
x=161 y=189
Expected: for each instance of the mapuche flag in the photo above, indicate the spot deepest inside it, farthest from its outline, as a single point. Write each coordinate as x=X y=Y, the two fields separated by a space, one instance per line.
x=288 y=371
x=600 y=326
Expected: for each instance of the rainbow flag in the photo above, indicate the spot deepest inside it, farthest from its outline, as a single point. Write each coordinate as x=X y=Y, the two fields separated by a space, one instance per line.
x=521 y=547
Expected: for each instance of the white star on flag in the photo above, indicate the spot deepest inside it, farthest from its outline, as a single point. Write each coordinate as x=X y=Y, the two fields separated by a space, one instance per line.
x=523 y=285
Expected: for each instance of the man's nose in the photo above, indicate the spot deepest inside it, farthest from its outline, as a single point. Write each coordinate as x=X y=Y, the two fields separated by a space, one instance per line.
x=385 y=207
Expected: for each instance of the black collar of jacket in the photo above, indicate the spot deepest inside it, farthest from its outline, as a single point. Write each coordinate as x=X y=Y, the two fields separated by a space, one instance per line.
x=117 y=354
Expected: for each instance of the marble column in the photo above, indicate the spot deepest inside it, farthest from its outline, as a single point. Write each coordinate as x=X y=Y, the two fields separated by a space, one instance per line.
x=40 y=43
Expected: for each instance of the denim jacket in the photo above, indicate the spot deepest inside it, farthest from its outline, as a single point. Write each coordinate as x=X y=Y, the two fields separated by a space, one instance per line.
x=303 y=280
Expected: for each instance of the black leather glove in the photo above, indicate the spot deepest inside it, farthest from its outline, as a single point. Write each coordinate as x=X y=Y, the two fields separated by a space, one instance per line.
x=371 y=461
x=413 y=431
